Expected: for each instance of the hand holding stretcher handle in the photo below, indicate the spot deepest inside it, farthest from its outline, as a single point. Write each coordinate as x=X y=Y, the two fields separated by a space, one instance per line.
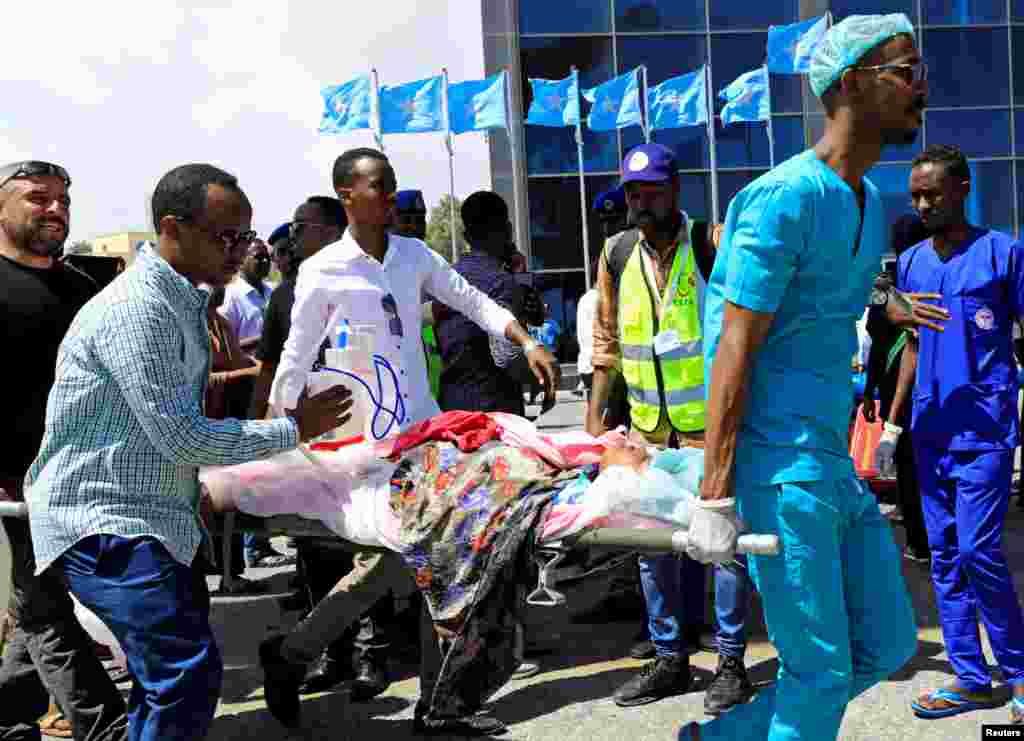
x=755 y=545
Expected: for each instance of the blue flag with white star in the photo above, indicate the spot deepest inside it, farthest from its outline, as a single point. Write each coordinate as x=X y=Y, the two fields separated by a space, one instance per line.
x=477 y=104
x=679 y=102
x=790 y=47
x=615 y=104
x=747 y=98
x=346 y=106
x=413 y=107
x=555 y=102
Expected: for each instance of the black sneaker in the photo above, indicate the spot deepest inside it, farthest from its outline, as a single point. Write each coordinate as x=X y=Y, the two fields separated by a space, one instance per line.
x=663 y=677
x=480 y=724
x=325 y=674
x=642 y=650
x=729 y=687
x=371 y=680
x=281 y=682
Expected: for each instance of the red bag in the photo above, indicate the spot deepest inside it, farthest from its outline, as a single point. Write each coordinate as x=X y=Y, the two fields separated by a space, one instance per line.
x=863 y=442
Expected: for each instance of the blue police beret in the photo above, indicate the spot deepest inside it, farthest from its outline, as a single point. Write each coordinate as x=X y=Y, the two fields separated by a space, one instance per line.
x=280 y=233
x=611 y=201
x=410 y=201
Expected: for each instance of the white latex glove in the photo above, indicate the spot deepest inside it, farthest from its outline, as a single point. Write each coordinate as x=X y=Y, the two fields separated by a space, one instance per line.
x=714 y=528
x=886 y=450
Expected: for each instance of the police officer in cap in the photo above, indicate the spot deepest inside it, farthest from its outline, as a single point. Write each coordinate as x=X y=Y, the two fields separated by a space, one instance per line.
x=410 y=214
x=610 y=208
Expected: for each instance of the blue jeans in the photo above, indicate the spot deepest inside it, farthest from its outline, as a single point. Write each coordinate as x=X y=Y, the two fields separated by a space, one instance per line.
x=964 y=495
x=674 y=593
x=835 y=604
x=158 y=609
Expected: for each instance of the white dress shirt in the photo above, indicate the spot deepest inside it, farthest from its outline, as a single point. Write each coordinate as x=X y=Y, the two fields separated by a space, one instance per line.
x=343 y=275
x=243 y=307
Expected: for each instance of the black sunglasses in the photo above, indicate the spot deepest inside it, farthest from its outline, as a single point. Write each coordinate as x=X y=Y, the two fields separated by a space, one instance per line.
x=31 y=169
x=229 y=238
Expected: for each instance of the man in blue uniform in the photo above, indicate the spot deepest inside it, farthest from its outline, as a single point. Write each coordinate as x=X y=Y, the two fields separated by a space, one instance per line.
x=410 y=214
x=794 y=271
x=965 y=429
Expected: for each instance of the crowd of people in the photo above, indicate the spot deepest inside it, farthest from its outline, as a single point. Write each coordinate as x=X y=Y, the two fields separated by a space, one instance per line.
x=733 y=338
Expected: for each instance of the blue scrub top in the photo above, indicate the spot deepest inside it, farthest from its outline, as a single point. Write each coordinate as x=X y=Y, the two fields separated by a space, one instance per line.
x=788 y=249
x=965 y=397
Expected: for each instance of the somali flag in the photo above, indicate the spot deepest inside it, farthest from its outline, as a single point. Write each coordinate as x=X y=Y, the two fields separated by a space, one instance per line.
x=747 y=98
x=790 y=47
x=346 y=106
x=615 y=104
x=679 y=102
x=413 y=107
x=478 y=104
x=555 y=102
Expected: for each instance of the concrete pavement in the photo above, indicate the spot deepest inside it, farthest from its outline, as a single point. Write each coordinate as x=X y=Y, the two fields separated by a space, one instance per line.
x=570 y=699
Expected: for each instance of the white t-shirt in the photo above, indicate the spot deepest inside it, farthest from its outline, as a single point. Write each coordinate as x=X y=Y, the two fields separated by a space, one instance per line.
x=585 y=313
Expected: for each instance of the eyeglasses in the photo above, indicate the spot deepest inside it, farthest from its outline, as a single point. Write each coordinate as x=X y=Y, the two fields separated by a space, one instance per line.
x=231 y=239
x=911 y=73
x=31 y=169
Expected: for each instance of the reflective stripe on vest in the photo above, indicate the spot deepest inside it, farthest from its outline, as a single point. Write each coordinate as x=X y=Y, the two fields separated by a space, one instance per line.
x=682 y=369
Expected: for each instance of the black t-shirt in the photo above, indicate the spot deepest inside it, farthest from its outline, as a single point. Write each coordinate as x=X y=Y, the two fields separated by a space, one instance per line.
x=36 y=309
x=277 y=322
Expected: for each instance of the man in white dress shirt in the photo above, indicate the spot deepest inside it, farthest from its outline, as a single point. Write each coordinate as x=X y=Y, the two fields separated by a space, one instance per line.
x=378 y=277
x=246 y=297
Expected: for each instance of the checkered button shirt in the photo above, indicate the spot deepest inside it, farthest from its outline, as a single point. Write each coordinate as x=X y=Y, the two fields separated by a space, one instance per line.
x=125 y=432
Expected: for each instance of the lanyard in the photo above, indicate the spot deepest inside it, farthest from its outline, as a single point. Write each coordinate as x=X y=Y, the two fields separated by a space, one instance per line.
x=675 y=272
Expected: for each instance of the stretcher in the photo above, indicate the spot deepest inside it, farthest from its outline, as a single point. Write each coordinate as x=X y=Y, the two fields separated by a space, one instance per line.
x=548 y=556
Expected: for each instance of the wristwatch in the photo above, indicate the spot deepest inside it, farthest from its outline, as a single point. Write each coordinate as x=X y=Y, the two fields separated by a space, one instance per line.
x=530 y=346
x=879 y=297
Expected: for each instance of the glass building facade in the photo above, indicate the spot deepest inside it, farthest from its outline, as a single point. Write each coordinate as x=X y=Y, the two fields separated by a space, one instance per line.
x=974 y=50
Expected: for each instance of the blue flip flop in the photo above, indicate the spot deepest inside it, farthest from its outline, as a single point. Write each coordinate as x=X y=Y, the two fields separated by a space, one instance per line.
x=960 y=705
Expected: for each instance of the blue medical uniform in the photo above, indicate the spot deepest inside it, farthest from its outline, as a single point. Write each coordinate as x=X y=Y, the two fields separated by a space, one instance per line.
x=965 y=429
x=834 y=599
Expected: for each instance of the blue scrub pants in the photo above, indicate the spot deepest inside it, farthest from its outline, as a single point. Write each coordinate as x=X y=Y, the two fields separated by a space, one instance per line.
x=159 y=610
x=674 y=594
x=835 y=604
x=964 y=495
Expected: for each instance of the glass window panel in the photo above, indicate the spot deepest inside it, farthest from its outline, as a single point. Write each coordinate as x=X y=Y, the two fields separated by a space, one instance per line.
x=1017 y=11
x=1018 y=72
x=659 y=15
x=788 y=132
x=893 y=182
x=564 y=16
x=733 y=54
x=562 y=292
x=991 y=201
x=903 y=152
x=742 y=144
x=960 y=59
x=556 y=232
x=963 y=12
x=977 y=133
x=842 y=8
x=553 y=150
x=689 y=144
x=695 y=195
x=665 y=56
x=1018 y=118
x=1020 y=199
x=731 y=183
x=754 y=14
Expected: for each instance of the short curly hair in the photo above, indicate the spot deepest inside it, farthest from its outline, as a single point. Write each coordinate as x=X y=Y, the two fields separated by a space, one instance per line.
x=948 y=156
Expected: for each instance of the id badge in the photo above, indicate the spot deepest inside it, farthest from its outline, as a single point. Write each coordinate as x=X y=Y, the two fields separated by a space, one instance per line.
x=666 y=341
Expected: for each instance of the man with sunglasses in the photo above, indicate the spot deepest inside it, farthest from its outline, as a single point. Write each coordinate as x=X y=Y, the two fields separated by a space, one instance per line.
x=48 y=651
x=795 y=268
x=113 y=494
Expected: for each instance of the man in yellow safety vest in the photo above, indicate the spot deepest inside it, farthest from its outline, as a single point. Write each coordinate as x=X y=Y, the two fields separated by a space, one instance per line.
x=648 y=327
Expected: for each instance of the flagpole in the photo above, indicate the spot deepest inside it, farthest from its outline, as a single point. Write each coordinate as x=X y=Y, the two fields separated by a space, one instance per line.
x=771 y=128
x=712 y=144
x=583 y=187
x=376 y=110
x=646 y=114
x=451 y=166
x=517 y=194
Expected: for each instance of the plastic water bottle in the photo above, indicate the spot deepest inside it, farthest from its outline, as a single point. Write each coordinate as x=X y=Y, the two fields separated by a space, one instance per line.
x=341 y=334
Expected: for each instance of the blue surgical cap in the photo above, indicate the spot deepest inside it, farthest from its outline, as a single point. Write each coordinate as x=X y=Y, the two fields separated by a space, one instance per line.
x=848 y=41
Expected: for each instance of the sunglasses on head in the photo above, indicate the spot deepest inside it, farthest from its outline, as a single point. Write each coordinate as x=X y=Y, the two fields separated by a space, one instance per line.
x=31 y=169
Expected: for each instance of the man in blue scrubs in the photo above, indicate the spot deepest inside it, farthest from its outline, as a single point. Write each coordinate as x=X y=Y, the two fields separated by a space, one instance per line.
x=801 y=247
x=965 y=429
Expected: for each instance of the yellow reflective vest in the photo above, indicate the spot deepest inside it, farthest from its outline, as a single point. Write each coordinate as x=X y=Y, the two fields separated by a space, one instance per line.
x=675 y=376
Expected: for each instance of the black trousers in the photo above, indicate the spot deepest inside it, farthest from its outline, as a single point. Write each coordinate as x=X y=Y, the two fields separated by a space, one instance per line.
x=910 y=495
x=49 y=653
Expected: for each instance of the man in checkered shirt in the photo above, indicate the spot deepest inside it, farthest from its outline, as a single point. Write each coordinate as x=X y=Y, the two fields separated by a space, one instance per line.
x=113 y=493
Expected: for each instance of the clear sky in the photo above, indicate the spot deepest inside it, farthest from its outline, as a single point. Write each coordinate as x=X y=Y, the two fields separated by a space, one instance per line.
x=120 y=92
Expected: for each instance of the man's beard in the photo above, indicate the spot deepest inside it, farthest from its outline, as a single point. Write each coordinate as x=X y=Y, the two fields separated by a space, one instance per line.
x=33 y=239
